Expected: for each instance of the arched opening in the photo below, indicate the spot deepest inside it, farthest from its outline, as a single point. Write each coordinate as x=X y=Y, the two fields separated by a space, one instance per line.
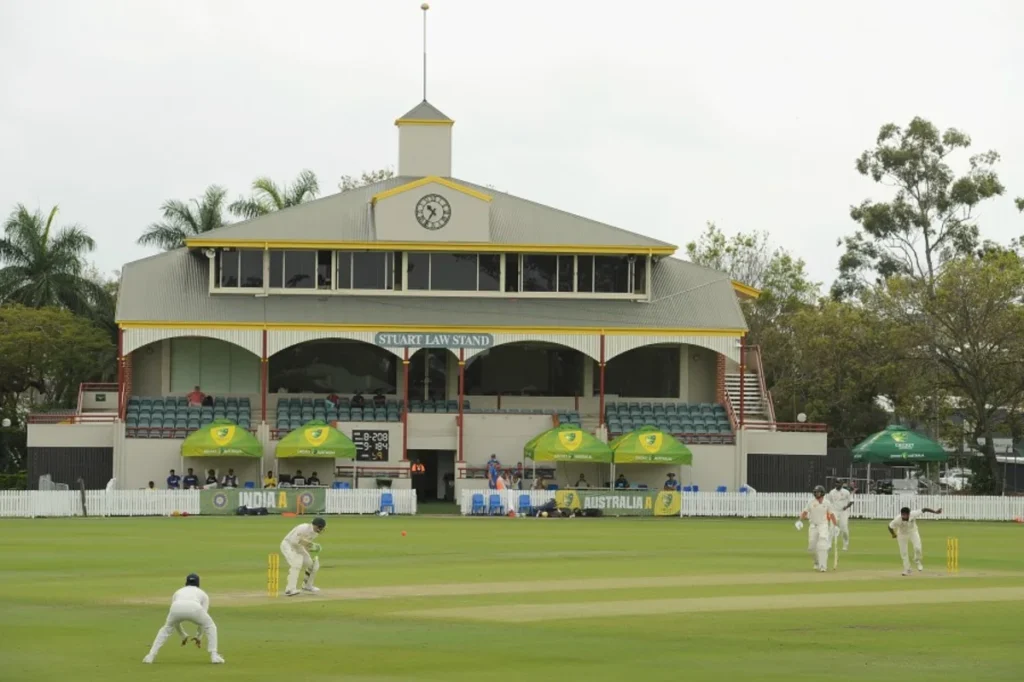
x=327 y=366
x=531 y=368
x=428 y=374
x=646 y=372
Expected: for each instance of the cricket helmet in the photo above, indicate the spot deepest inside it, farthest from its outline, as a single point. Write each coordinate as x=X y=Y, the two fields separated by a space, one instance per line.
x=819 y=491
x=319 y=523
x=192 y=579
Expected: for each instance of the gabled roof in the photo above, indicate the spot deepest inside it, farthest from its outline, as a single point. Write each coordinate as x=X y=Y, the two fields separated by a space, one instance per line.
x=172 y=288
x=345 y=220
x=424 y=113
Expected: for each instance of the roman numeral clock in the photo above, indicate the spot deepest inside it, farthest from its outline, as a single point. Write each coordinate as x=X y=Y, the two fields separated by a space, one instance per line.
x=433 y=212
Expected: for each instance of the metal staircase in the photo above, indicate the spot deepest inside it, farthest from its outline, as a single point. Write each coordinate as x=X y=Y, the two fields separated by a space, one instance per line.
x=756 y=402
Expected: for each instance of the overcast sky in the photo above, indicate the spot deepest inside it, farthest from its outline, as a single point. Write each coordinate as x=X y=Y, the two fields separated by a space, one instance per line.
x=654 y=116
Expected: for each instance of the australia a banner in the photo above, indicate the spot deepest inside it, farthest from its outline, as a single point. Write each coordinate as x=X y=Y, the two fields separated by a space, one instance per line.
x=622 y=502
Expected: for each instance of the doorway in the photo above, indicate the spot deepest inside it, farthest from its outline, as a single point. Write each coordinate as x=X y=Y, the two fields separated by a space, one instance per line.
x=437 y=482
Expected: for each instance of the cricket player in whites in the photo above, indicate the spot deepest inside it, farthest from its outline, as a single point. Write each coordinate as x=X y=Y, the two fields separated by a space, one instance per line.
x=188 y=605
x=903 y=529
x=841 y=499
x=819 y=514
x=296 y=548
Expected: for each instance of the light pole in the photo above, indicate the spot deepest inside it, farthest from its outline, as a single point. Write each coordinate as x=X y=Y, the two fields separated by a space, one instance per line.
x=4 y=452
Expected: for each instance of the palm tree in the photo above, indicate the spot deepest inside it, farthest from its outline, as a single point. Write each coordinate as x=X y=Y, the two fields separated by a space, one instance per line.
x=42 y=266
x=267 y=197
x=184 y=220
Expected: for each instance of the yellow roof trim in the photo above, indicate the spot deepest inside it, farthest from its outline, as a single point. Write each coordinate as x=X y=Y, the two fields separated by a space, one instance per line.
x=422 y=122
x=426 y=181
x=745 y=290
x=286 y=326
x=441 y=247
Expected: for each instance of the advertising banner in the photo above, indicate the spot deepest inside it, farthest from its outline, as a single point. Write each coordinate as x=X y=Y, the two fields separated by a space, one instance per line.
x=226 y=501
x=622 y=502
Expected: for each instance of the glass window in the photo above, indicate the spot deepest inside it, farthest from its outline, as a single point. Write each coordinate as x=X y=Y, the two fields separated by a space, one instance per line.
x=229 y=268
x=276 y=269
x=396 y=268
x=611 y=274
x=566 y=273
x=511 y=272
x=585 y=274
x=300 y=269
x=527 y=370
x=490 y=272
x=453 y=272
x=428 y=374
x=252 y=268
x=323 y=269
x=540 y=273
x=640 y=275
x=418 y=276
x=370 y=270
x=344 y=269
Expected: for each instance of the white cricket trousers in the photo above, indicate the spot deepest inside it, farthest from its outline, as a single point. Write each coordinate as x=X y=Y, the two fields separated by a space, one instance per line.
x=818 y=541
x=187 y=612
x=905 y=539
x=299 y=560
x=844 y=527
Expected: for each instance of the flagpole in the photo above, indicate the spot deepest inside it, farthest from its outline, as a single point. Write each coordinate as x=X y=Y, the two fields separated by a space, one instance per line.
x=424 y=7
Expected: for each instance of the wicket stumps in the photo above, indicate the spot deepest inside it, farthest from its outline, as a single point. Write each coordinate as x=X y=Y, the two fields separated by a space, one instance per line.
x=300 y=509
x=273 y=574
x=952 y=555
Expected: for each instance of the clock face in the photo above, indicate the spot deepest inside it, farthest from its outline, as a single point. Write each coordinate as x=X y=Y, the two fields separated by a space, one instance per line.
x=433 y=212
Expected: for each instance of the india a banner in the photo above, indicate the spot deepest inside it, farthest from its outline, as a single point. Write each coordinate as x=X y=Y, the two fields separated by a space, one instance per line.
x=226 y=501
x=622 y=502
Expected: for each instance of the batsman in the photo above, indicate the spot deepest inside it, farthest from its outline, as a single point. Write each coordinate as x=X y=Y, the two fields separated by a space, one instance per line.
x=301 y=551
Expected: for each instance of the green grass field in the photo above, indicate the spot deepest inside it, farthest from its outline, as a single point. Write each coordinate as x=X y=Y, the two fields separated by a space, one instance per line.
x=510 y=599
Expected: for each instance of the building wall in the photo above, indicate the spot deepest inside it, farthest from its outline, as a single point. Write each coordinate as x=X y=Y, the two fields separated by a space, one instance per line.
x=71 y=436
x=433 y=432
x=501 y=434
x=395 y=217
x=67 y=464
x=152 y=459
x=701 y=375
x=713 y=465
x=425 y=150
x=147 y=364
x=785 y=443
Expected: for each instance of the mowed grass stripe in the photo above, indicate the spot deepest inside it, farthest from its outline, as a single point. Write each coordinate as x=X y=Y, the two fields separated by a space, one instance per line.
x=529 y=613
x=583 y=585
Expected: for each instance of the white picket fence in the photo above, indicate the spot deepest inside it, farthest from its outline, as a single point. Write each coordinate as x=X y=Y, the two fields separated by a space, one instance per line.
x=57 y=503
x=787 y=505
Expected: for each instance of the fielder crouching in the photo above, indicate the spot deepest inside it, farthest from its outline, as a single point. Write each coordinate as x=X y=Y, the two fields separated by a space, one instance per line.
x=188 y=605
x=297 y=548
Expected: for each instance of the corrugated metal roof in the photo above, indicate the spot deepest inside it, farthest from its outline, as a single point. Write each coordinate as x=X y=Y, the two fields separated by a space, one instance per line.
x=425 y=111
x=173 y=287
x=346 y=217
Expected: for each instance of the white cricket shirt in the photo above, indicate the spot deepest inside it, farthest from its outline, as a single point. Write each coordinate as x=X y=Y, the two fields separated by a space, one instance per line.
x=302 y=535
x=906 y=527
x=192 y=593
x=817 y=512
x=839 y=499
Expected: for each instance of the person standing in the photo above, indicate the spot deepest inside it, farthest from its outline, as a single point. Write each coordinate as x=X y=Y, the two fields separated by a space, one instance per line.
x=841 y=499
x=819 y=514
x=296 y=548
x=903 y=529
x=188 y=605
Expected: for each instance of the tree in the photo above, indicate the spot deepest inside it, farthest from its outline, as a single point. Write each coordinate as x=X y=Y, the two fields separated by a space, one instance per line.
x=367 y=178
x=966 y=332
x=268 y=197
x=184 y=220
x=840 y=360
x=46 y=353
x=931 y=217
x=44 y=266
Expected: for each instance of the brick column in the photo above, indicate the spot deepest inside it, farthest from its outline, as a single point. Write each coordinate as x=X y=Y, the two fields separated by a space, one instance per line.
x=720 y=380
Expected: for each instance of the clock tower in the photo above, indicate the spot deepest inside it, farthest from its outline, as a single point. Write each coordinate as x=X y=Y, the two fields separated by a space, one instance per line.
x=425 y=142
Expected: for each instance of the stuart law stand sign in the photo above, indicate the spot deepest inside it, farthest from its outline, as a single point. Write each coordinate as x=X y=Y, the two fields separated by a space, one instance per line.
x=433 y=340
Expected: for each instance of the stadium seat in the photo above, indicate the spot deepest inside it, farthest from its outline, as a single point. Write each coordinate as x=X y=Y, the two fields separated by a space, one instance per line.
x=250 y=485
x=477 y=504
x=494 y=506
x=721 y=489
x=387 y=503
x=524 y=504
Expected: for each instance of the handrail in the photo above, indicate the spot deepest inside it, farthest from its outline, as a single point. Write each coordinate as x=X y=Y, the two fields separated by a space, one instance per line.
x=71 y=417
x=765 y=394
x=790 y=427
x=730 y=413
